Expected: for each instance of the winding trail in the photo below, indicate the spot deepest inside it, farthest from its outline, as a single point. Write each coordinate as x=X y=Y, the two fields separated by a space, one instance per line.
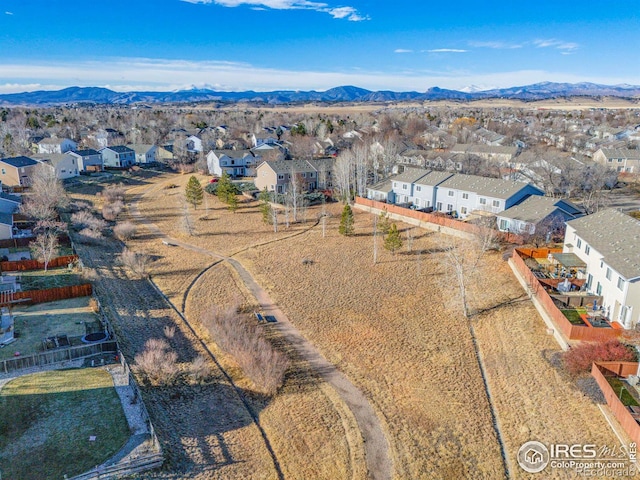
x=376 y=446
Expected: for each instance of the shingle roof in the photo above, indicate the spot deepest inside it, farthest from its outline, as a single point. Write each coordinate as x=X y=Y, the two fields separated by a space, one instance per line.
x=119 y=149
x=621 y=153
x=490 y=187
x=85 y=153
x=433 y=178
x=140 y=148
x=385 y=186
x=6 y=219
x=11 y=198
x=287 y=166
x=19 y=162
x=233 y=153
x=410 y=175
x=470 y=148
x=536 y=208
x=614 y=235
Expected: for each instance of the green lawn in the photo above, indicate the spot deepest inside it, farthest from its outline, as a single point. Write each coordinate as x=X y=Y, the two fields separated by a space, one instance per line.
x=47 y=419
x=56 y=277
x=625 y=398
x=573 y=316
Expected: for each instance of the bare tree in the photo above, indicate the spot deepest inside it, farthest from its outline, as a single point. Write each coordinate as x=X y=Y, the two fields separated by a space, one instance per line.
x=343 y=175
x=47 y=242
x=47 y=193
x=361 y=168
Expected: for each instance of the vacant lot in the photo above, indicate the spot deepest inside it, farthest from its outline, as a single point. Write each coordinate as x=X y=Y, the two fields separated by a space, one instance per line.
x=33 y=323
x=49 y=419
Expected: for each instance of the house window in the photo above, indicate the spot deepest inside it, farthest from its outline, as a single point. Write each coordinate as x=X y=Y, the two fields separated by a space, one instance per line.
x=496 y=203
x=395 y=184
x=504 y=224
x=463 y=210
x=280 y=177
x=304 y=174
x=599 y=289
x=620 y=283
x=610 y=160
x=451 y=193
x=601 y=264
x=483 y=201
x=465 y=196
x=418 y=189
x=589 y=281
x=4 y=172
x=449 y=207
x=311 y=174
x=608 y=274
x=579 y=243
x=439 y=206
x=404 y=186
x=587 y=249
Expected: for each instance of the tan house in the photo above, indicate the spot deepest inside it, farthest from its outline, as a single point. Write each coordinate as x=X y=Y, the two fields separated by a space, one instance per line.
x=621 y=159
x=277 y=176
x=17 y=171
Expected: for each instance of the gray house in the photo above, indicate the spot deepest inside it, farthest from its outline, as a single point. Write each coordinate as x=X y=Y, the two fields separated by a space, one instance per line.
x=536 y=210
x=88 y=160
x=118 y=156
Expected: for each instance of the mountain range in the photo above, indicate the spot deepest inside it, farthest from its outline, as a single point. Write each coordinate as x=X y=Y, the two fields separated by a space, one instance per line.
x=97 y=95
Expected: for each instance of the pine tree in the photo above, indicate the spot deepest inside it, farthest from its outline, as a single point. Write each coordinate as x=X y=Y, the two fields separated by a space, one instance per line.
x=346 y=221
x=393 y=241
x=232 y=201
x=383 y=222
x=193 y=192
x=265 y=206
x=225 y=188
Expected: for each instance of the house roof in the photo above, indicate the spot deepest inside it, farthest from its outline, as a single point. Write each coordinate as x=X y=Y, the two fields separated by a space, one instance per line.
x=490 y=187
x=10 y=198
x=536 y=208
x=614 y=235
x=53 y=141
x=287 y=166
x=233 y=153
x=118 y=149
x=621 y=153
x=19 y=162
x=410 y=175
x=140 y=148
x=385 y=186
x=52 y=158
x=470 y=148
x=85 y=153
x=433 y=178
x=6 y=219
x=319 y=163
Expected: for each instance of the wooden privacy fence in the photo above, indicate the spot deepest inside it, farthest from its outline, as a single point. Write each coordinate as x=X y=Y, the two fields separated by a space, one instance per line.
x=53 y=294
x=599 y=371
x=58 y=355
x=436 y=219
x=570 y=331
x=23 y=265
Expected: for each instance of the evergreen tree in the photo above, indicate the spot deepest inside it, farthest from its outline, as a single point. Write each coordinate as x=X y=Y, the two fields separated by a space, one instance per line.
x=346 y=221
x=393 y=241
x=193 y=192
x=225 y=188
x=383 y=222
x=232 y=201
x=265 y=206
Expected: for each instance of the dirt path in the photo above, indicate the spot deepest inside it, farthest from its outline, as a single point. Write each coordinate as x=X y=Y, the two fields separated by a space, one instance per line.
x=376 y=447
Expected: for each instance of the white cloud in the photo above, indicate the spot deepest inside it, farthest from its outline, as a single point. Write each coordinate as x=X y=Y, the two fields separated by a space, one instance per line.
x=447 y=50
x=8 y=13
x=127 y=74
x=402 y=50
x=348 y=13
x=557 y=44
x=496 y=45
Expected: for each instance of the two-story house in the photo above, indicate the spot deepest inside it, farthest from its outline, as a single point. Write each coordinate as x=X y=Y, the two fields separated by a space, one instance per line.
x=17 y=171
x=620 y=159
x=65 y=165
x=277 y=176
x=89 y=160
x=118 y=156
x=145 y=153
x=537 y=210
x=465 y=193
x=56 y=145
x=607 y=242
x=235 y=163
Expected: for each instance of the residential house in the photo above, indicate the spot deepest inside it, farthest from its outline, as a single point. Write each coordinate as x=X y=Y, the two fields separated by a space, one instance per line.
x=9 y=203
x=145 y=153
x=6 y=226
x=465 y=193
x=17 y=171
x=426 y=187
x=536 y=210
x=403 y=184
x=118 y=156
x=193 y=144
x=607 y=242
x=270 y=152
x=621 y=159
x=106 y=137
x=164 y=153
x=382 y=192
x=498 y=154
x=235 y=163
x=277 y=176
x=264 y=139
x=88 y=160
x=324 y=167
x=56 y=145
x=64 y=164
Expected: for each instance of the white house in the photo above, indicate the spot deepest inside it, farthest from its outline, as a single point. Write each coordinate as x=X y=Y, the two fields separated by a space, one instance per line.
x=607 y=242
x=89 y=160
x=194 y=144
x=145 y=153
x=64 y=164
x=465 y=193
x=56 y=145
x=535 y=210
x=236 y=163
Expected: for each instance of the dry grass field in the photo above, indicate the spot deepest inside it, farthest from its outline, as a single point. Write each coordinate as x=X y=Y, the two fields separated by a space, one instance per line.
x=393 y=328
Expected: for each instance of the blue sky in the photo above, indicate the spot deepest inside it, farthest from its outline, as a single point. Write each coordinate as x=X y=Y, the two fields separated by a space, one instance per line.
x=303 y=44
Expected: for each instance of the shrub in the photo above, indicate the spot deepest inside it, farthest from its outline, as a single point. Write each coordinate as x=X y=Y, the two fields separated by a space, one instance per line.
x=157 y=362
x=200 y=369
x=85 y=219
x=124 y=231
x=579 y=359
x=243 y=339
x=110 y=211
x=90 y=237
x=137 y=262
x=113 y=193
x=169 y=331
